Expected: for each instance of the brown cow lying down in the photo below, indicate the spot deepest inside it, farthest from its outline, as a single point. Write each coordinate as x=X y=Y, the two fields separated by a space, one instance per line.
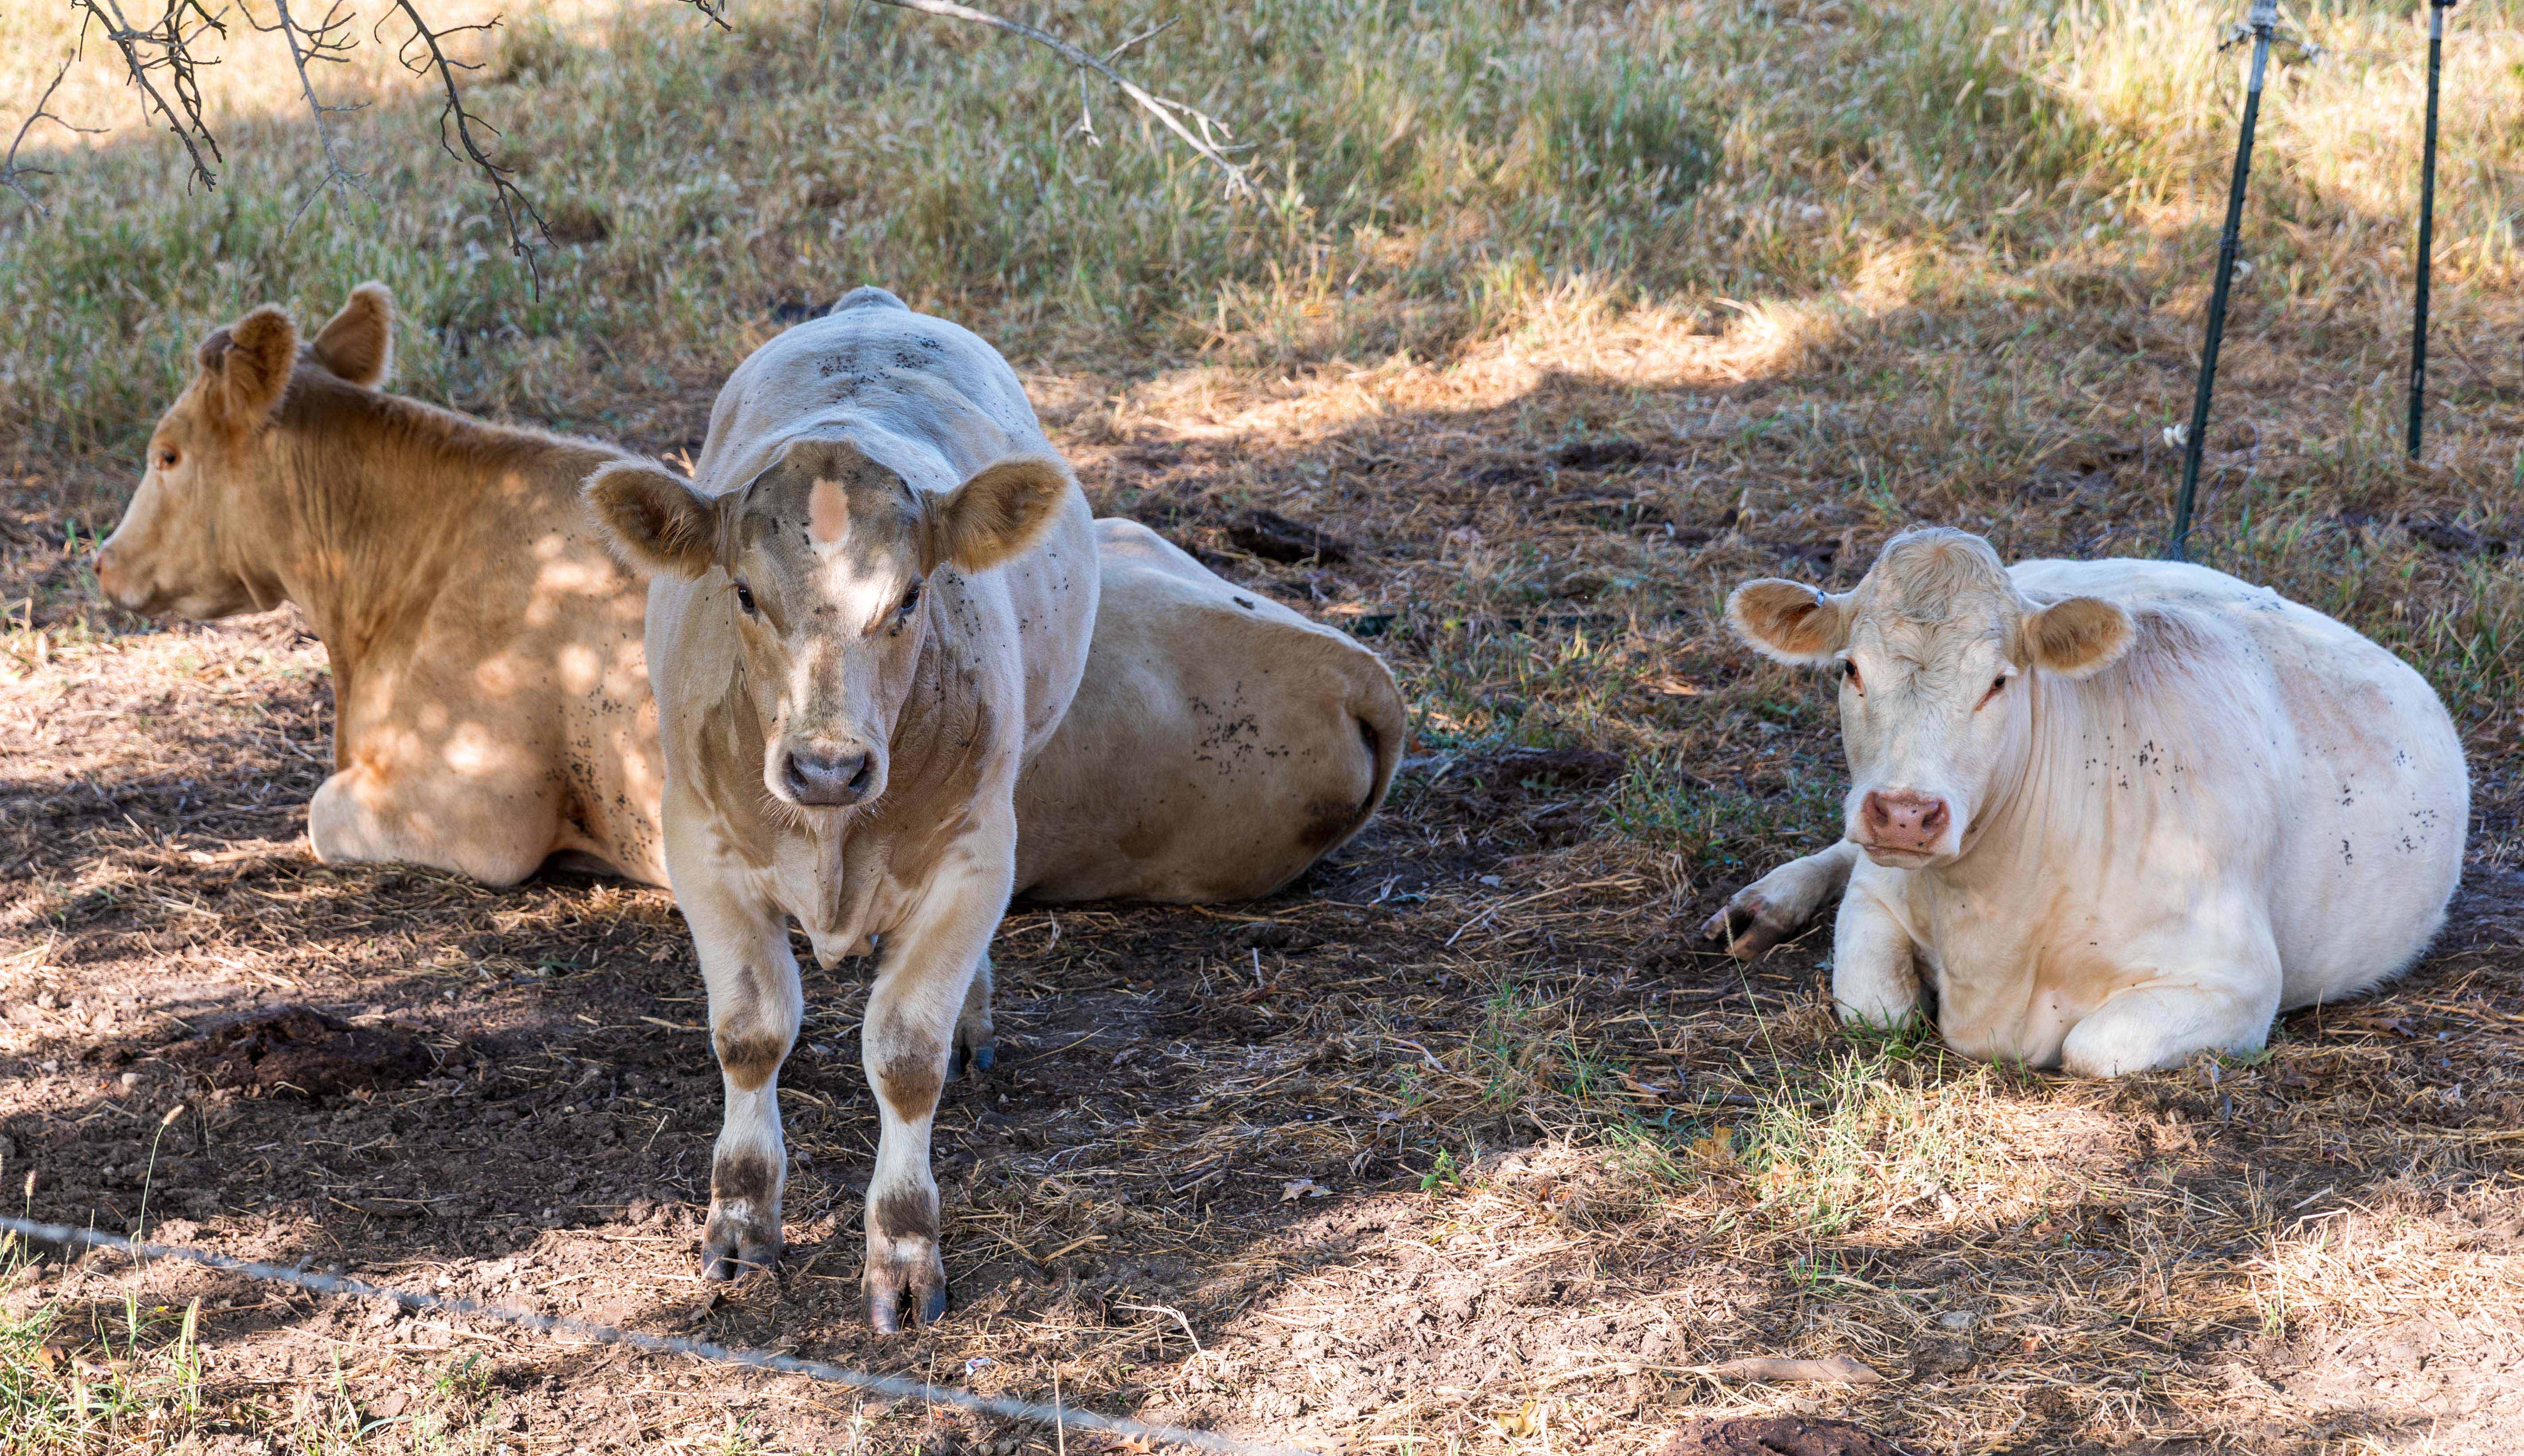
x=493 y=705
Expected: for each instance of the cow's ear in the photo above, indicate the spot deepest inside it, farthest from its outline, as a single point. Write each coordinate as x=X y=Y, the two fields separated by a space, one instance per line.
x=656 y=518
x=1787 y=620
x=358 y=344
x=2079 y=637
x=1005 y=508
x=247 y=365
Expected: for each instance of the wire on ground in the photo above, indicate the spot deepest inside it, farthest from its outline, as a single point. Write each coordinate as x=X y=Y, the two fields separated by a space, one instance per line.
x=897 y=1388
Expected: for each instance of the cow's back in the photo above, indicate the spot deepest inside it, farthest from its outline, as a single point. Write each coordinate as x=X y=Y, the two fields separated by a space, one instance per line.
x=1222 y=745
x=2327 y=765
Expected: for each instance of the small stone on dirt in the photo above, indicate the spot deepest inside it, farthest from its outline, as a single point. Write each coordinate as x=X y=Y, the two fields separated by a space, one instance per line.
x=1934 y=1356
x=1776 y=1436
x=297 y=1051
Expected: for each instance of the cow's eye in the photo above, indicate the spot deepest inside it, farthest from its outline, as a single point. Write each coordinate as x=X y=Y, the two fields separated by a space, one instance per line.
x=168 y=458
x=745 y=598
x=1849 y=675
x=911 y=600
x=1997 y=686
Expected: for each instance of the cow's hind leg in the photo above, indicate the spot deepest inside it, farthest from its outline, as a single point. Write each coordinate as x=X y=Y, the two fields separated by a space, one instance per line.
x=755 y=1007
x=1781 y=902
x=2165 y=1023
x=914 y=1016
x=976 y=1043
x=362 y=817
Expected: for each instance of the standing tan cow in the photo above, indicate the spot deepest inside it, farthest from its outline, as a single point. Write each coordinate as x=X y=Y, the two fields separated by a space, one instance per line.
x=493 y=705
x=2112 y=813
x=869 y=610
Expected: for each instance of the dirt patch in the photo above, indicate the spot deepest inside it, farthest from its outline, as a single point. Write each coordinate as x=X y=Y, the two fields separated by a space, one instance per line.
x=297 y=1052
x=1776 y=1436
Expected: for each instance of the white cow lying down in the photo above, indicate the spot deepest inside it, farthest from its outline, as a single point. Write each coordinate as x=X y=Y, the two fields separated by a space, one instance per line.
x=2110 y=813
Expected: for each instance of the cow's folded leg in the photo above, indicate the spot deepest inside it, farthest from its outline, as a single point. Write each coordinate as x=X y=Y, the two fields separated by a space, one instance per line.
x=913 y=1018
x=976 y=1046
x=1781 y=902
x=358 y=817
x=754 y=1006
x=1874 y=976
x=2166 y=1022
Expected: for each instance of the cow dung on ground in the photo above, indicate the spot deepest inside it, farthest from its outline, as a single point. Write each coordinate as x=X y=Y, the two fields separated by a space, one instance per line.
x=1776 y=1436
x=295 y=1050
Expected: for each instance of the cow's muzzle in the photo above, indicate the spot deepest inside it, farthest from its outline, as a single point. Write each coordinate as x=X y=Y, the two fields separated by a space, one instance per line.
x=1901 y=824
x=827 y=780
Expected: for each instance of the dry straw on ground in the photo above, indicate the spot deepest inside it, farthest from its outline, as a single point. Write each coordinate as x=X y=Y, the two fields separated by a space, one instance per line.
x=1563 y=319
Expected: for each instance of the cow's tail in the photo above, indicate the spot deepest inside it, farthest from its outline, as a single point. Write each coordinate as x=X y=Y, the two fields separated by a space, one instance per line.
x=867 y=296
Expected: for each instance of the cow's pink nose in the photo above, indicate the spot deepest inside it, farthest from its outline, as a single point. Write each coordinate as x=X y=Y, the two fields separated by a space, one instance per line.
x=1903 y=820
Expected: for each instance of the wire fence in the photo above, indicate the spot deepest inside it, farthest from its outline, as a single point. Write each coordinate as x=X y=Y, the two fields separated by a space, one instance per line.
x=1056 y=1415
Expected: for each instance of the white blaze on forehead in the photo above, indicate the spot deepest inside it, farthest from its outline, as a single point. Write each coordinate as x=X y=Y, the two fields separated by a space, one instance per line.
x=828 y=513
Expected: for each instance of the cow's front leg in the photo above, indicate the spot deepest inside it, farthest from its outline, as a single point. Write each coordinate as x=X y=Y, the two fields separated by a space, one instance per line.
x=1874 y=972
x=754 y=1006
x=1781 y=902
x=912 y=1024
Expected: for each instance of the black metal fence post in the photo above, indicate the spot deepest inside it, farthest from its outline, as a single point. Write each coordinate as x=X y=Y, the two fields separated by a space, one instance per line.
x=2427 y=223
x=2262 y=21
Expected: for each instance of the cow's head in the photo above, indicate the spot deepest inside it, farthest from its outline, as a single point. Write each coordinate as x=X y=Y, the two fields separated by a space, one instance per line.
x=1937 y=655
x=196 y=539
x=821 y=561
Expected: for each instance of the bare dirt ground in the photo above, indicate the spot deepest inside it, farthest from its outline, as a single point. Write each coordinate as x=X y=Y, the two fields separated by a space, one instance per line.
x=1464 y=1144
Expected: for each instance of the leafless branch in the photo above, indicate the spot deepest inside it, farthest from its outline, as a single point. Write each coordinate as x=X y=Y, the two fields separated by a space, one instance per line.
x=329 y=39
x=167 y=48
x=715 y=11
x=425 y=54
x=12 y=172
x=1212 y=132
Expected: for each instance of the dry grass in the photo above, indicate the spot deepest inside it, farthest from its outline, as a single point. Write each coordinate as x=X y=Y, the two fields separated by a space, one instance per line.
x=1569 y=316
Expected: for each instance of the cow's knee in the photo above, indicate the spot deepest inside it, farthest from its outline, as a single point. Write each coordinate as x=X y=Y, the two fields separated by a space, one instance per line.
x=910 y=1078
x=749 y=1052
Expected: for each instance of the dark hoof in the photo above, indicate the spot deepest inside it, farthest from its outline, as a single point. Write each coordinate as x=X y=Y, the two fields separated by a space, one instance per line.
x=731 y=1251
x=891 y=1291
x=1742 y=928
x=978 y=1058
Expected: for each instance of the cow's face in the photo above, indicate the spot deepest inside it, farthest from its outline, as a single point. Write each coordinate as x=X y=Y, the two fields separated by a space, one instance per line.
x=1937 y=655
x=823 y=564
x=200 y=536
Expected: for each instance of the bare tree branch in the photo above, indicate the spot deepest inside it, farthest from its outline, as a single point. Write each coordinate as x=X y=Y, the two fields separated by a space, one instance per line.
x=1213 y=132
x=165 y=47
x=325 y=40
x=12 y=172
x=716 y=11
x=425 y=54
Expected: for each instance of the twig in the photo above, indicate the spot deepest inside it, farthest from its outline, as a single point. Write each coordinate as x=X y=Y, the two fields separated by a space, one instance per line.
x=1238 y=184
x=322 y=41
x=12 y=172
x=715 y=11
x=455 y=127
x=174 y=47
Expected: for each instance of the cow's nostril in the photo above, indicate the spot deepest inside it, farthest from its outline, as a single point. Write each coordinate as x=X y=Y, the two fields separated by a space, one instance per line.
x=859 y=781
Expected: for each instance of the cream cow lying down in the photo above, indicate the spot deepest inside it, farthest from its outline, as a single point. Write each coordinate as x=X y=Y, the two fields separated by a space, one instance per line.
x=2109 y=813
x=492 y=701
